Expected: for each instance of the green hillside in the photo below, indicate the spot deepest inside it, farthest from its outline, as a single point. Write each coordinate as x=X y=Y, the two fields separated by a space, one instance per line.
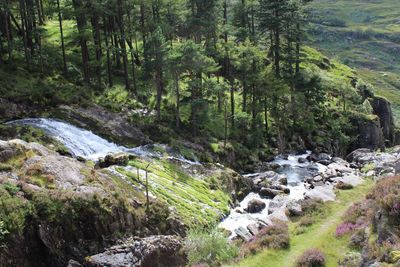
x=364 y=35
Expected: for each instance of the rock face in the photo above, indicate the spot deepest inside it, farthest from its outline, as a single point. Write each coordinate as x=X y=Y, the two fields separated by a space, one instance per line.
x=382 y=108
x=370 y=134
x=10 y=110
x=150 y=251
x=115 y=126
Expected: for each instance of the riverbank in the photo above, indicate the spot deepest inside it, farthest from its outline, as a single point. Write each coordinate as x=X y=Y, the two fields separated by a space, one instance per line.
x=319 y=235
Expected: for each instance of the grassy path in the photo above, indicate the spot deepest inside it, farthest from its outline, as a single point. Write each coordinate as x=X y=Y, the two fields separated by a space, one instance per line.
x=320 y=235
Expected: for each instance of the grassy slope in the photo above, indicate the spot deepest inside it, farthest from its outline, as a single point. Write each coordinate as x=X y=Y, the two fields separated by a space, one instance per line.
x=369 y=40
x=320 y=235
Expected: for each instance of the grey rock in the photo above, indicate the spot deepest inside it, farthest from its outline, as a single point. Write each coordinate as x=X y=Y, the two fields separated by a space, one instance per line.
x=255 y=206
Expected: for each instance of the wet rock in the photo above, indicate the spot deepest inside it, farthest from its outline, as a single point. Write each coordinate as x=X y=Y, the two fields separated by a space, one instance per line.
x=244 y=234
x=302 y=160
x=253 y=228
x=255 y=206
x=149 y=251
x=269 y=193
x=119 y=159
x=324 y=162
x=284 y=181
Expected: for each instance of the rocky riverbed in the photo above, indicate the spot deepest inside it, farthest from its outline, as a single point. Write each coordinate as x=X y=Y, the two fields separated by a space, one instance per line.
x=185 y=190
x=277 y=193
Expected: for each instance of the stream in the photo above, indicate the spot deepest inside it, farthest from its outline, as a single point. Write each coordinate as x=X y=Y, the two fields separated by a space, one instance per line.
x=85 y=144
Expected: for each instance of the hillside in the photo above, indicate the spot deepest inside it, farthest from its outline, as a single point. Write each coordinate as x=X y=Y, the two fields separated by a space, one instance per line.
x=197 y=132
x=364 y=35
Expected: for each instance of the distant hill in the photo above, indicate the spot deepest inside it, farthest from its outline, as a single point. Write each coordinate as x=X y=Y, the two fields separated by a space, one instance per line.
x=364 y=34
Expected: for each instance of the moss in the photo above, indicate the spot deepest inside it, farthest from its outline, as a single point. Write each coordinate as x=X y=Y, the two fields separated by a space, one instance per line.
x=368 y=167
x=193 y=199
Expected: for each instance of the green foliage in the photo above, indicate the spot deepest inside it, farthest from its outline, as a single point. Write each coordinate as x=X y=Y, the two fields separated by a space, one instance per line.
x=14 y=211
x=208 y=247
x=3 y=232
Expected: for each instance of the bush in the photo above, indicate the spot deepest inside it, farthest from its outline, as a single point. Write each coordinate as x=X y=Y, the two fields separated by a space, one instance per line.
x=306 y=221
x=274 y=236
x=345 y=228
x=211 y=248
x=350 y=260
x=311 y=258
x=312 y=206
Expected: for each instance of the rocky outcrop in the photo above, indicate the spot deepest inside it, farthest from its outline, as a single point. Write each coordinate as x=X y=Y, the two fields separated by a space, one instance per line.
x=154 y=251
x=68 y=210
x=369 y=134
x=114 y=126
x=10 y=110
x=382 y=108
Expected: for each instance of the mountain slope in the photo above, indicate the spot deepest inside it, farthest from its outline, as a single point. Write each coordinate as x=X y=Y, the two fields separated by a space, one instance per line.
x=365 y=35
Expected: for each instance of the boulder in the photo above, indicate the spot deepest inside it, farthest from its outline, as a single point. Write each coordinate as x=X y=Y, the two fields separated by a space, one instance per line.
x=324 y=193
x=302 y=160
x=253 y=228
x=255 y=206
x=269 y=193
x=119 y=159
x=244 y=234
x=149 y=251
x=283 y=180
x=294 y=208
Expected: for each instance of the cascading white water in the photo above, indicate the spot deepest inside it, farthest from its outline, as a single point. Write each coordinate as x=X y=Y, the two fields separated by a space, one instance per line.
x=296 y=173
x=79 y=142
x=85 y=144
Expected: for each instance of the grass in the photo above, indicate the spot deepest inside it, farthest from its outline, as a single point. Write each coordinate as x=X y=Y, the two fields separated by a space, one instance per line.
x=363 y=35
x=319 y=235
x=193 y=199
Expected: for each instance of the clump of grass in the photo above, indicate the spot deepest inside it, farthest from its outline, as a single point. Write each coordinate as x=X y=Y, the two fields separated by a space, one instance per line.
x=208 y=248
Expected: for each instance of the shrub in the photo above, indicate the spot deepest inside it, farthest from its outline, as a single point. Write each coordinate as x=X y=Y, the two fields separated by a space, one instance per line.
x=311 y=258
x=274 y=236
x=358 y=239
x=312 y=206
x=211 y=248
x=350 y=260
x=345 y=228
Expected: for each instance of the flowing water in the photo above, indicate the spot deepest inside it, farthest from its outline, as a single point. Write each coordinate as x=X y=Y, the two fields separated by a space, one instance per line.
x=296 y=173
x=85 y=144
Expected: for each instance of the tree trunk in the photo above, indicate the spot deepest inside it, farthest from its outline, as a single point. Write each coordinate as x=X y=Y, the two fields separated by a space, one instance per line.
x=81 y=23
x=24 y=37
x=65 y=69
x=109 y=64
x=120 y=21
x=97 y=42
x=177 y=93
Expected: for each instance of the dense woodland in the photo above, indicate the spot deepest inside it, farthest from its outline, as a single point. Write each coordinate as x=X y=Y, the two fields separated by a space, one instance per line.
x=229 y=69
